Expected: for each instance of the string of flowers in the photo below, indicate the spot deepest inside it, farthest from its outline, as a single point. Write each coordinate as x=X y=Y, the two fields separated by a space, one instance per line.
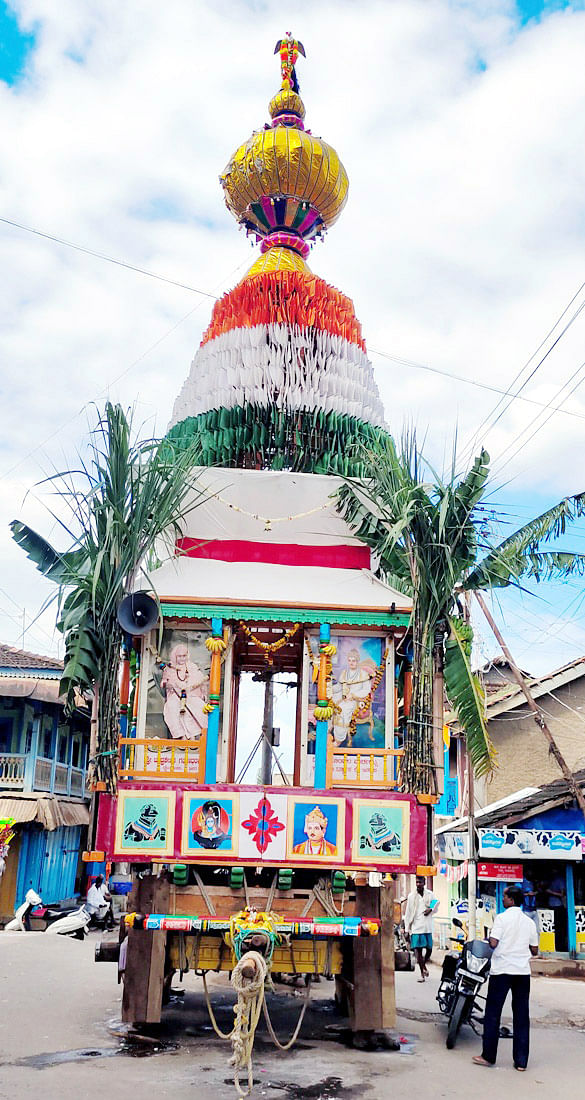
x=326 y=707
x=364 y=705
x=270 y=648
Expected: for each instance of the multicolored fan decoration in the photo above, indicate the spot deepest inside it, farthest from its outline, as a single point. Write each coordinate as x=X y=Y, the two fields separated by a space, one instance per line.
x=282 y=379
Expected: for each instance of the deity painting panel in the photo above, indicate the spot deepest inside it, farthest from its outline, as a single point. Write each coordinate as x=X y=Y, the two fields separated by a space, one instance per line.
x=316 y=830
x=381 y=832
x=145 y=823
x=210 y=825
x=358 y=690
x=178 y=689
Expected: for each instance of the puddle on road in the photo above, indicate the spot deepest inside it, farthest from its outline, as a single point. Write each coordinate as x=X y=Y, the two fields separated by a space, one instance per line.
x=331 y=1088
x=130 y=1047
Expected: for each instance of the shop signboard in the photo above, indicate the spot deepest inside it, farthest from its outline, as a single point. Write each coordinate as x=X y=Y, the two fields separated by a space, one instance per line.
x=453 y=845
x=500 y=872
x=515 y=844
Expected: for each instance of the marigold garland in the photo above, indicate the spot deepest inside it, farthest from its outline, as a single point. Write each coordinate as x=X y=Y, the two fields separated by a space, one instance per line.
x=270 y=648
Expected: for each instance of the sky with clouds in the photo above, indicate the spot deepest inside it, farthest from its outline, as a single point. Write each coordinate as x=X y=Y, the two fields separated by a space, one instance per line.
x=460 y=124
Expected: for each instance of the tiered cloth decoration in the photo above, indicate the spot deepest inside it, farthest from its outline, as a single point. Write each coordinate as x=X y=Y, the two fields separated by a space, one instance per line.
x=282 y=379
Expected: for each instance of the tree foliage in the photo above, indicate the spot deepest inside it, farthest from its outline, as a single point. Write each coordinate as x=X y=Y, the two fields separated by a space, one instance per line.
x=426 y=533
x=130 y=497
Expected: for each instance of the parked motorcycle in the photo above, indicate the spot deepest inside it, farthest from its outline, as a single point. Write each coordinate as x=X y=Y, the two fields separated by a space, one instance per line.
x=21 y=920
x=72 y=924
x=462 y=979
x=44 y=915
x=72 y=921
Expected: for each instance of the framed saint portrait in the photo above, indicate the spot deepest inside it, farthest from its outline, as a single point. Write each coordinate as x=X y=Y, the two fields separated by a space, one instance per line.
x=316 y=829
x=361 y=688
x=178 y=688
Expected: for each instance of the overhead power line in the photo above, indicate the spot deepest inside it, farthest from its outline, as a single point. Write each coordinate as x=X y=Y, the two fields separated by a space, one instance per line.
x=508 y=392
x=108 y=259
x=467 y=381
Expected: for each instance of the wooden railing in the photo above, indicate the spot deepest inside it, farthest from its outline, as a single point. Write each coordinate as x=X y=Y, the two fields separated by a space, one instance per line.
x=363 y=767
x=12 y=769
x=154 y=758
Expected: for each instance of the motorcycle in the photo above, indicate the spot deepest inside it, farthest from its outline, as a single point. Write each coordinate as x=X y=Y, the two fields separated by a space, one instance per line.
x=59 y=922
x=463 y=977
x=73 y=924
x=21 y=920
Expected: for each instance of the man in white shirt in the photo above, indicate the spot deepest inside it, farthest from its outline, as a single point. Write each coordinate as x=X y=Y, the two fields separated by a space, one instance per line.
x=99 y=902
x=418 y=923
x=514 y=937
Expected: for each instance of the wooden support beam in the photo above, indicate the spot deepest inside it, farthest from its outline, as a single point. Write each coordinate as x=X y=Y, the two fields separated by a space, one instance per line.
x=145 y=960
x=372 y=999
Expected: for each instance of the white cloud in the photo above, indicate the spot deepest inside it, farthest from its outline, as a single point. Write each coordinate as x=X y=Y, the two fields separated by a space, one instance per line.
x=461 y=243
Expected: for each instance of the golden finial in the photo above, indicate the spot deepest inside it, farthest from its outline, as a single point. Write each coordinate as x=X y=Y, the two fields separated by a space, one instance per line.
x=289 y=49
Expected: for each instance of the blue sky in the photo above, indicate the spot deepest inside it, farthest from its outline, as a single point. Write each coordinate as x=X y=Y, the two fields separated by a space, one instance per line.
x=15 y=45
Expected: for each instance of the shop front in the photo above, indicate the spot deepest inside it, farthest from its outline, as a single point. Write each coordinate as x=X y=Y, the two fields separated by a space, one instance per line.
x=536 y=840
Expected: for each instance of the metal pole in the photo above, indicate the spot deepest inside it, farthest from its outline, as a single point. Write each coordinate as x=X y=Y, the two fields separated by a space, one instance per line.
x=471 y=864
x=266 y=767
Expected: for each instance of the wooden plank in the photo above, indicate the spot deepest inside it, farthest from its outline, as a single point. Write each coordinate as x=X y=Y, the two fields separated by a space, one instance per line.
x=187 y=901
x=145 y=959
x=136 y=977
x=366 y=999
x=156 y=977
x=388 y=991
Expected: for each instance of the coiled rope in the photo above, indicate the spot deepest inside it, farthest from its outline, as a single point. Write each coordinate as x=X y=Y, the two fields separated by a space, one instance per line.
x=250 y=1003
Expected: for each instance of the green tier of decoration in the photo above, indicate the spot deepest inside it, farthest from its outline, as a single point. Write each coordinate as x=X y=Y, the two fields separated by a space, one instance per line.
x=235 y=612
x=267 y=438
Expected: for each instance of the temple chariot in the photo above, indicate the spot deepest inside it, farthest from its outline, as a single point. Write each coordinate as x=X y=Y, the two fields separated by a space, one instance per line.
x=231 y=849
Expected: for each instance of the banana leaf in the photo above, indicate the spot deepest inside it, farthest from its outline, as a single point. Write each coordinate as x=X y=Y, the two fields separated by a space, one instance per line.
x=467 y=697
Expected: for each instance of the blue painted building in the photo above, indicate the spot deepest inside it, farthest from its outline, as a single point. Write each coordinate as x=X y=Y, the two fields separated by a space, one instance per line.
x=538 y=834
x=43 y=764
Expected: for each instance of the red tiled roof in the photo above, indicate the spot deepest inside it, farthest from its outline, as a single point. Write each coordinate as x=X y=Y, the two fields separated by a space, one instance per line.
x=19 y=658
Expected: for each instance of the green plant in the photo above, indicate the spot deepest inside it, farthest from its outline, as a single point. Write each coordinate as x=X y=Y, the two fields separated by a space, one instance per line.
x=129 y=497
x=426 y=533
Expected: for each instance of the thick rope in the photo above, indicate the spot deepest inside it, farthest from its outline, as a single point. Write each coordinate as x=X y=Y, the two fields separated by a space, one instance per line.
x=247 y=1012
x=250 y=1003
x=295 y=1034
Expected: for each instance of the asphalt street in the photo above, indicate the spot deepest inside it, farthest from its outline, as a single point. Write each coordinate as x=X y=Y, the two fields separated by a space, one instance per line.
x=61 y=1036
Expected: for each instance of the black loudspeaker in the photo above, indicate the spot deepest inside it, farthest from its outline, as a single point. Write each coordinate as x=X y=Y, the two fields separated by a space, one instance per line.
x=138 y=613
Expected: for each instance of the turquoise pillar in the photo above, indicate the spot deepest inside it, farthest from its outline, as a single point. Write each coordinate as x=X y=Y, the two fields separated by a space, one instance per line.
x=322 y=727
x=571 y=919
x=213 y=721
x=31 y=760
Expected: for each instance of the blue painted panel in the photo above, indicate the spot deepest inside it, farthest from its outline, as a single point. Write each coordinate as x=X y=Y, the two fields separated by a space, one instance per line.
x=558 y=818
x=48 y=863
x=30 y=863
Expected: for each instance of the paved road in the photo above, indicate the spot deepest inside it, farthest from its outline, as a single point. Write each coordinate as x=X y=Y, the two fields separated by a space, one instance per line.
x=54 y=1000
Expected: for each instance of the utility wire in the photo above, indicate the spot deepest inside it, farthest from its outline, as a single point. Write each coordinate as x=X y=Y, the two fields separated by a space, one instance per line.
x=467 y=381
x=576 y=373
x=108 y=259
x=473 y=441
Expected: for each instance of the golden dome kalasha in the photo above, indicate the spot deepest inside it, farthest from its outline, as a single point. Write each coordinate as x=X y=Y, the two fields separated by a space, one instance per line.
x=286 y=179
x=283 y=179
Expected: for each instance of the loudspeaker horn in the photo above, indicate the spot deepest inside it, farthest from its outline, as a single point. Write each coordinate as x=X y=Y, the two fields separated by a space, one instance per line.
x=138 y=613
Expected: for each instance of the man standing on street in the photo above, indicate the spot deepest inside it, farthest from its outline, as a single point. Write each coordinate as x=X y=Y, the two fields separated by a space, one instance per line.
x=514 y=937
x=418 y=923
